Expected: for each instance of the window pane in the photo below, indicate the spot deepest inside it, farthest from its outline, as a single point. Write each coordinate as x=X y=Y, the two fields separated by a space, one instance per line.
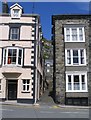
x=68 y=37
x=74 y=34
x=82 y=56
x=0 y=87
x=27 y=87
x=83 y=82
x=69 y=83
x=80 y=34
x=75 y=56
x=67 y=31
x=76 y=82
x=81 y=37
x=19 y=61
x=75 y=52
x=68 y=57
x=24 y=87
x=20 y=53
x=28 y=81
x=16 y=13
x=4 y=56
x=19 y=57
x=67 y=34
x=24 y=81
x=12 y=56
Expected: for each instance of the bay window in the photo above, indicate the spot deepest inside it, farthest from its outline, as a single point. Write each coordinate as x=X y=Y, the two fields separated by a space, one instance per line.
x=12 y=56
x=75 y=56
x=76 y=82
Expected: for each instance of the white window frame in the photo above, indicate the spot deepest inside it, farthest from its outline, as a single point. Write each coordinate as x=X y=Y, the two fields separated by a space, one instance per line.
x=17 y=56
x=70 y=29
x=76 y=73
x=26 y=85
x=79 y=56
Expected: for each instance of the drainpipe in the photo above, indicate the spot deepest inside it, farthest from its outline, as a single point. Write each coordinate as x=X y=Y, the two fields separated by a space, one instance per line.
x=36 y=52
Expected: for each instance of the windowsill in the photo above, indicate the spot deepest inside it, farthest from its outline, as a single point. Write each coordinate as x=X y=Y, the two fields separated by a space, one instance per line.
x=77 y=91
x=75 y=65
x=14 y=39
x=25 y=91
x=74 y=41
x=12 y=65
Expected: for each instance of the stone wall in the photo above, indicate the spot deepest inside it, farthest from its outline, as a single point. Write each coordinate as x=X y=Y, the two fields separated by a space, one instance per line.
x=59 y=48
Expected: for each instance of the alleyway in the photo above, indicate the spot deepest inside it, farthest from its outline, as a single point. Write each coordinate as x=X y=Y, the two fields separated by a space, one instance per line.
x=46 y=97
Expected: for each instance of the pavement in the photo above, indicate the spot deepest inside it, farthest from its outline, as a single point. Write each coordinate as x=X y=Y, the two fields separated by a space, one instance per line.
x=14 y=103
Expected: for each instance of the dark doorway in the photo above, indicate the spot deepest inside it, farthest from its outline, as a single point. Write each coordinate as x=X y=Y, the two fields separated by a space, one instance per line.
x=12 y=89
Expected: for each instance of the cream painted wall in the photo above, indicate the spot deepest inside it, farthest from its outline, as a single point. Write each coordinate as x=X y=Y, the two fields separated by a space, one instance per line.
x=8 y=19
x=23 y=44
x=27 y=58
x=3 y=87
x=4 y=30
x=26 y=33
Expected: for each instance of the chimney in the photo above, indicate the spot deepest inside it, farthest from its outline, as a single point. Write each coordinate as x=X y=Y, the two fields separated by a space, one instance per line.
x=5 y=8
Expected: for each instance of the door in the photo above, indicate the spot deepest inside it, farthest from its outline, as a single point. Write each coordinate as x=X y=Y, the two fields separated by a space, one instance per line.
x=12 y=90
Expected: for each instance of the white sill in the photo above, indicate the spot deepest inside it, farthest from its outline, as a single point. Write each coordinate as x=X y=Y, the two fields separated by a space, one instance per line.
x=75 y=65
x=74 y=41
x=77 y=91
x=12 y=65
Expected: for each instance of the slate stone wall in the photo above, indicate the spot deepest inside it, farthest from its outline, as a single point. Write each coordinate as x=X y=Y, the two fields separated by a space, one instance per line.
x=58 y=22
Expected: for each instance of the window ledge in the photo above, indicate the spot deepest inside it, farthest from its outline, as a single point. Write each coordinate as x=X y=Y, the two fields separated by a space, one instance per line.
x=12 y=65
x=80 y=91
x=74 y=41
x=75 y=65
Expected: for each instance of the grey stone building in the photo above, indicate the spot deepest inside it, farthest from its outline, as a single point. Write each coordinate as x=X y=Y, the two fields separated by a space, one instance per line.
x=71 y=59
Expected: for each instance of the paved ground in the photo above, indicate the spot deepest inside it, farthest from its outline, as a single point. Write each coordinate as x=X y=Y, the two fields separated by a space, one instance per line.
x=43 y=111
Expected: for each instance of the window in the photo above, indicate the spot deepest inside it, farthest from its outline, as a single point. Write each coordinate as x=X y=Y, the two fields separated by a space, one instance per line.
x=12 y=56
x=75 y=56
x=26 y=85
x=76 y=82
x=14 y=33
x=16 y=13
x=74 y=34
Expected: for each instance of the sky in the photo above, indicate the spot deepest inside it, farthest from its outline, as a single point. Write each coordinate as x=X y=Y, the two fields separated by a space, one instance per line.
x=47 y=9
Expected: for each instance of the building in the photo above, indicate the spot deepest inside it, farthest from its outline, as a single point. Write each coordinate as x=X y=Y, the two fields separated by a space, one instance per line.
x=72 y=59
x=21 y=67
